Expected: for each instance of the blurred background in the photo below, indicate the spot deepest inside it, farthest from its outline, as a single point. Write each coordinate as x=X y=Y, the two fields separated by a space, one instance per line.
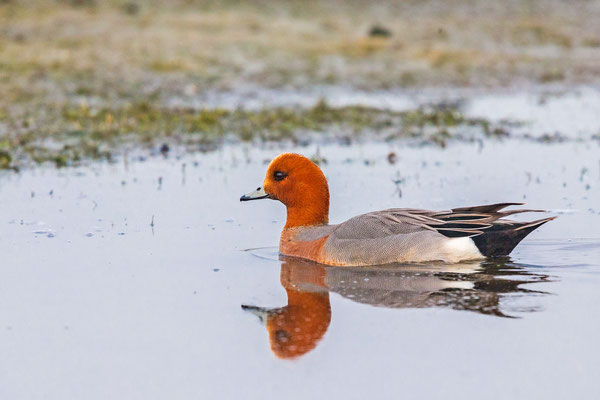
x=89 y=79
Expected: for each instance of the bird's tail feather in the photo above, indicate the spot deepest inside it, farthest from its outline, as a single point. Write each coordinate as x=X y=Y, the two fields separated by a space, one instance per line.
x=502 y=238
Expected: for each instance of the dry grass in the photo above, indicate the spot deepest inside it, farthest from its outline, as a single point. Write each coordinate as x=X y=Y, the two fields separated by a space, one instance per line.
x=280 y=43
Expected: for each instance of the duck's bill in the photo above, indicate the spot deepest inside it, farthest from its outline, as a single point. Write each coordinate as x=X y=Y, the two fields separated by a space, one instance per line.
x=256 y=195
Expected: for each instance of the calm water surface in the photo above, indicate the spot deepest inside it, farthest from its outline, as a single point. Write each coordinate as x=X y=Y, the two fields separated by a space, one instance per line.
x=151 y=280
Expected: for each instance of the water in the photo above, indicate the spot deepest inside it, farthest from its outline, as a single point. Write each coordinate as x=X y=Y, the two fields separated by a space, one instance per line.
x=128 y=281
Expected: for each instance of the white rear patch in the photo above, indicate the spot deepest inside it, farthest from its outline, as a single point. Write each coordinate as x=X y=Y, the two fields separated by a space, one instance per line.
x=464 y=248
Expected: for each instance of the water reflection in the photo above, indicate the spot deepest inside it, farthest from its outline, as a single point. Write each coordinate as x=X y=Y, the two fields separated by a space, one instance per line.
x=488 y=287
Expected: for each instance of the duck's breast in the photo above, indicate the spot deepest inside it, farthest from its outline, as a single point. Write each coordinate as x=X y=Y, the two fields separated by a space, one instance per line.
x=305 y=242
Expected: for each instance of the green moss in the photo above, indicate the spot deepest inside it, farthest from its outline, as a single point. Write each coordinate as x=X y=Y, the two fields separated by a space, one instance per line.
x=591 y=42
x=74 y=133
x=166 y=66
x=443 y=117
x=5 y=160
x=552 y=75
x=536 y=33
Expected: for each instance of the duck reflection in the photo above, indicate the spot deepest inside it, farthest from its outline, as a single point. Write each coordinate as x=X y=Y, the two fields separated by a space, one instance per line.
x=482 y=287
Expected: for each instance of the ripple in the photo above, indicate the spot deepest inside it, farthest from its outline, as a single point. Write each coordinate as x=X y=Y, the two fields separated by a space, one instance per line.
x=266 y=253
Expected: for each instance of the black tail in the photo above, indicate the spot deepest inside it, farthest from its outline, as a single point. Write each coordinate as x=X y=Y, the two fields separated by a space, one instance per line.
x=502 y=237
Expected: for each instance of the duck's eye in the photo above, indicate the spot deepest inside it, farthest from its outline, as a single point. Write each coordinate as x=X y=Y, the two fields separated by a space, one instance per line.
x=278 y=175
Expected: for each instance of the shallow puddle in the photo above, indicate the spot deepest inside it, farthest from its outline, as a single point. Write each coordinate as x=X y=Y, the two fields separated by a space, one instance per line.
x=151 y=280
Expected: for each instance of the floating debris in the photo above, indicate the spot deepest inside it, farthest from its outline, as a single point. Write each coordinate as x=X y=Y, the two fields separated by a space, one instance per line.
x=392 y=157
x=164 y=150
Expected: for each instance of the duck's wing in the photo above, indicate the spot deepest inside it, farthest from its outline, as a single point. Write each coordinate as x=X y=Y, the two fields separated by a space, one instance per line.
x=492 y=234
x=458 y=222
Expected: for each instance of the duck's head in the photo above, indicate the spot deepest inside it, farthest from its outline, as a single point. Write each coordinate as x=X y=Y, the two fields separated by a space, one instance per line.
x=299 y=184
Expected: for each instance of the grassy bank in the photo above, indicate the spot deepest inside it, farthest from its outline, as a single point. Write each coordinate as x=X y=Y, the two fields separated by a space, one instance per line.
x=75 y=75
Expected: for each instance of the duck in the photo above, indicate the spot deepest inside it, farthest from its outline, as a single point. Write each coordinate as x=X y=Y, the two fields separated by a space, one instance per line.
x=396 y=235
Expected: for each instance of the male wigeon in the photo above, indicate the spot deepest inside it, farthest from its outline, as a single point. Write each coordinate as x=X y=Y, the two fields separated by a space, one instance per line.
x=397 y=235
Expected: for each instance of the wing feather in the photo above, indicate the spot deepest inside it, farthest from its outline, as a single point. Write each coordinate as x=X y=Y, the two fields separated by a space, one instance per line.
x=457 y=222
